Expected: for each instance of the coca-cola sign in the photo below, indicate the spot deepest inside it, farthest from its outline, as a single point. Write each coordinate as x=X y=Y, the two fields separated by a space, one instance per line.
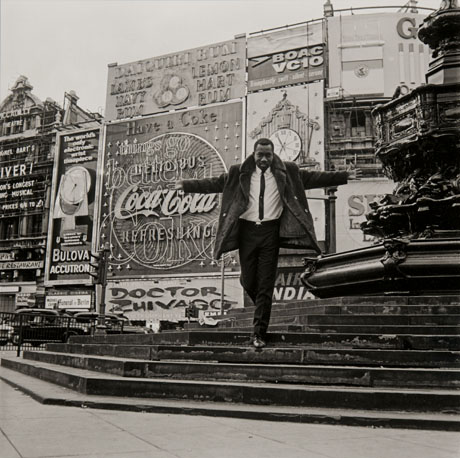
x=150 y=227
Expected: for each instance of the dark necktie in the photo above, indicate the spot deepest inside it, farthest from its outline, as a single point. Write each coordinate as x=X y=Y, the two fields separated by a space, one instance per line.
x=261 y=196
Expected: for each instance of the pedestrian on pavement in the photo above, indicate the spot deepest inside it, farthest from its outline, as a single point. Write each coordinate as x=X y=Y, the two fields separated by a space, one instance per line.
x=264 y=208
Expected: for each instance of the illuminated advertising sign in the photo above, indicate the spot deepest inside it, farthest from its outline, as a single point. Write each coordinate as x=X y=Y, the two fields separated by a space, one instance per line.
x=199 y=76
x=167 y=298
x=373 y=54
x=22 y=188
x=73 y=198
x=352 y=205
x=293 y=118
x=289 y=286
x=286 y=57
x=152 y=228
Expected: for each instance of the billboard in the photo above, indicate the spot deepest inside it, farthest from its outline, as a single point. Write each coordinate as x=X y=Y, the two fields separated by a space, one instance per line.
x=166 y=299
x=195 y=77
x=352 y=205
x=22 y=184
x=293 y=118
x=76 y=301
x=73 y=205
x=151 y=228
x=285 y=57
x=373 y=54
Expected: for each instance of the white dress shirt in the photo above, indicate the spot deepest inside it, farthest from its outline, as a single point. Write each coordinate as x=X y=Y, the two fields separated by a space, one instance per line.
x=273 y=206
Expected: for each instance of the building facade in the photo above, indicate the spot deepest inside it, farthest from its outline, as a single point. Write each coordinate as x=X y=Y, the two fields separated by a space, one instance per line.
x=70 y=184
x=28 y=128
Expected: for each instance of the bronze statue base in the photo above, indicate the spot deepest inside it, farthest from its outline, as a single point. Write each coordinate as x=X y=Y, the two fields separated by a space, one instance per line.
x=394 y=267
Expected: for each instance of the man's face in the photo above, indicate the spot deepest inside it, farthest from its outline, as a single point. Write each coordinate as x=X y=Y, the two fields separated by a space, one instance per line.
x=263 y=156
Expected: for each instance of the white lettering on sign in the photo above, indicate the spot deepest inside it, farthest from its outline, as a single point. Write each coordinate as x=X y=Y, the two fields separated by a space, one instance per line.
x=296 y=59
x=9 y=171
x=70 y=255
x=133 y=202
x=289 y=286
x=15 y=113
x=70 y=269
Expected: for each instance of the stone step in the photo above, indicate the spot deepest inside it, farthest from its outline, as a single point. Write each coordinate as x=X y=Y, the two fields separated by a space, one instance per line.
x=271 y=373
x=352 y=329
x=370 y=329
x=88 y=382
x=275 y=328
x=380 y=300
x=391 y=320
x=350 y=301
x=389 y=341
x=51 y=394
x=408 y=320
x=270 y=355
x=297 y=309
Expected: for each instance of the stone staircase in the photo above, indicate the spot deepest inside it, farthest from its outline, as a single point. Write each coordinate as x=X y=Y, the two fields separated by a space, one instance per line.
x=380 y=361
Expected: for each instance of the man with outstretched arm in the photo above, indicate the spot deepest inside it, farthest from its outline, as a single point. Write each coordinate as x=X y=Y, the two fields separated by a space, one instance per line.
x=264 y=208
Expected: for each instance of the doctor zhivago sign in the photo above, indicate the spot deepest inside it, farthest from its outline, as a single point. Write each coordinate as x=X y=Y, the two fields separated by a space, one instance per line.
x=152 y=228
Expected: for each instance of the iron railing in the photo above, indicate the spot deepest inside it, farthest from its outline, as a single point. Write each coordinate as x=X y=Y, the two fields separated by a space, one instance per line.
x=34 y=328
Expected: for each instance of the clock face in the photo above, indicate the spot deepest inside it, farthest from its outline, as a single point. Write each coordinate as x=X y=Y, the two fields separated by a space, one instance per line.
x=74 y=187
x=287 y=144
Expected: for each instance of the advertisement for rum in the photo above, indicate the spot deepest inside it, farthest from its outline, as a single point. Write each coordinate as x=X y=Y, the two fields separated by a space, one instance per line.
x=151 y=228
x=211 y=74
x=73 y=199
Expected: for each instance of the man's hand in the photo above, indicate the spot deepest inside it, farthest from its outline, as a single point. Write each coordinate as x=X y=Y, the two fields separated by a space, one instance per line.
x=354 y=174
x=179 y=186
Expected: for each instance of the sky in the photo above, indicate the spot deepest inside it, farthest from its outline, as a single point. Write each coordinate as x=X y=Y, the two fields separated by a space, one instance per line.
x=64 y=45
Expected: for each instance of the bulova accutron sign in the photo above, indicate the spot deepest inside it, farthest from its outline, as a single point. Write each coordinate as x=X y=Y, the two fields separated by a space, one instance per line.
x=71 y=233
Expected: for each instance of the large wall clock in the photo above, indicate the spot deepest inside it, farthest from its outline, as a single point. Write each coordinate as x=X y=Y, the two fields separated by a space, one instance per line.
x=74 y=188
x=287 y=144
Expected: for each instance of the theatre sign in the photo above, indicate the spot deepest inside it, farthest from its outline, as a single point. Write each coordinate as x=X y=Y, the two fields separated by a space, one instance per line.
x=151 y=228
x=195 y=77
x=22 y=185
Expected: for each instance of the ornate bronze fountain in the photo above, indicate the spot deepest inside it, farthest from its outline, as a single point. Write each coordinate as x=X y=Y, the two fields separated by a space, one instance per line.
x=418 y=143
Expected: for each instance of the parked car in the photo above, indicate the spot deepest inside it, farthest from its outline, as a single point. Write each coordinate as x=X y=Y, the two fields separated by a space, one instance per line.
x=6 y=332
x=113 y=323
x=127 y=326
x=37 y=326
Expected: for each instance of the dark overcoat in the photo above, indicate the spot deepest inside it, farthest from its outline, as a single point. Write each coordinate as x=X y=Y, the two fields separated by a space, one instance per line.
x=296 y=222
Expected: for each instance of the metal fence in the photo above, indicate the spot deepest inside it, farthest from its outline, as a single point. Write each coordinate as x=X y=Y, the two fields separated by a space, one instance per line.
x=35 y=328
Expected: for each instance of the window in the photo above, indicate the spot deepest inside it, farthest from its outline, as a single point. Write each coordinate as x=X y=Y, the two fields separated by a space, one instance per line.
x=36 y=225
x=358 y=123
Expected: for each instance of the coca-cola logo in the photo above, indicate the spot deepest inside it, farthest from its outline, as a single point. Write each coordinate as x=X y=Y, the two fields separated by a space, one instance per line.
x=145 y=220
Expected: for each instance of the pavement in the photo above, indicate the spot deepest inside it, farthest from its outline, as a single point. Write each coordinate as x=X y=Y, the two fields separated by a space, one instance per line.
x=31 y=429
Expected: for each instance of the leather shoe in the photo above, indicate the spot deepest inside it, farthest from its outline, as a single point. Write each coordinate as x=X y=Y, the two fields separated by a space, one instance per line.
x=258 y=342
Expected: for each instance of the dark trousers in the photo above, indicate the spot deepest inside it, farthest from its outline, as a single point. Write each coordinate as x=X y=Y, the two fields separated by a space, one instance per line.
x=258 y=250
